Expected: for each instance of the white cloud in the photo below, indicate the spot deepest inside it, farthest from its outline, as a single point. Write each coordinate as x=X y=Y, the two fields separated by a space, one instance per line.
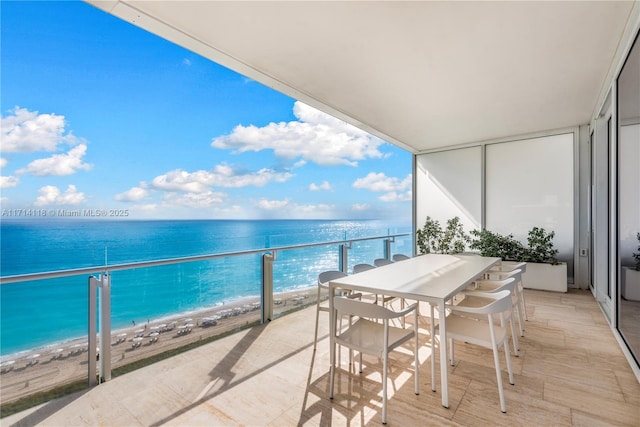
x=288 y=209
x=324 y=186
x=396 y=197
x=221 y=176
x=8 y=181
x=3 y=162
x=396 y=190
x=272 y=204
x=317 y=210
x=28 y=131
x=51 y=195
x=315 y=137
x=149 y=207
x=194 y=200
x=135 y=194
x=179 y=180
x=59 y=164
x=379 y=182
x=360 y=207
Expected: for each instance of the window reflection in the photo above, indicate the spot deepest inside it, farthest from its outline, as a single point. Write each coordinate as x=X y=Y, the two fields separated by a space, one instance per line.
x=629 y=200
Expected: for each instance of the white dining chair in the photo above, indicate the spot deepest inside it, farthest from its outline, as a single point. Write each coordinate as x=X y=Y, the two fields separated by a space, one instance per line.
x=358 y=268
x=372 y=333
x=497 y=274
x=323 y=285
x=379 y=262
x=470 y=299
x=506 y=266
x=488 y=334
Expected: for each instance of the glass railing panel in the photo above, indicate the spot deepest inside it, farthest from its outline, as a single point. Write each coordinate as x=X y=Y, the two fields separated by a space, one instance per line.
x=365 y=252
x=403 y=245
x=40 y=345
x=154 y=308
x=295 y=276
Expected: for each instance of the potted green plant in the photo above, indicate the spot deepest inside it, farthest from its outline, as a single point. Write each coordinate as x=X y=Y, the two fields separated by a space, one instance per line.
x=630 y=286
x=540 y=248
x=543 y=269
x=493 y=244
x=432 y=238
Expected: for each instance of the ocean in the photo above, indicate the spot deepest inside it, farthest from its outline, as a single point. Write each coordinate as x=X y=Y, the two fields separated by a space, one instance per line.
x=41 y=313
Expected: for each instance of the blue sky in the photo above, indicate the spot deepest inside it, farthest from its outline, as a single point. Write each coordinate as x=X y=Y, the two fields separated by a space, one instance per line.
x=99 y=114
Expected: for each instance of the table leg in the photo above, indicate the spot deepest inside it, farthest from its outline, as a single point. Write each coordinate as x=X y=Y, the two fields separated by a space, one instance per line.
x=444 y=371
x=432 y=331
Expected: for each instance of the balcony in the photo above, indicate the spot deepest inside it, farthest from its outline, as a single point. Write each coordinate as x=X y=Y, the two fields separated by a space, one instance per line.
x=571 y=371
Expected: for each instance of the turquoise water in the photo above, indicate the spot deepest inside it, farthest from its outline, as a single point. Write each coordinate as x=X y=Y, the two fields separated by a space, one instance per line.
x=45 y=312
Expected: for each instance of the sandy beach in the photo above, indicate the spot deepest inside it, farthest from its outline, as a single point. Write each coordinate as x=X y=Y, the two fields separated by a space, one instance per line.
x=44 y=368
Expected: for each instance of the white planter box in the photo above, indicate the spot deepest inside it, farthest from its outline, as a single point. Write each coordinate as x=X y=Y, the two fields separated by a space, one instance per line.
x=630 y=284
x=546 y=277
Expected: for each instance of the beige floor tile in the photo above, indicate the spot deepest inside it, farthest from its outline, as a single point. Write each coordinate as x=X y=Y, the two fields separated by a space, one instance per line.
x=571 y=371
x=596 y=402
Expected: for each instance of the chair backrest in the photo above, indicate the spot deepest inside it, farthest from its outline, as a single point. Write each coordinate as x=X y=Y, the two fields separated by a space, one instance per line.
x=513 y=265
x=326 y=276
x=362 y=267
x=501 y=304
x=505 y=284
x=352 y=307
x=516 y=274
x=381 y=261
x=399 y=257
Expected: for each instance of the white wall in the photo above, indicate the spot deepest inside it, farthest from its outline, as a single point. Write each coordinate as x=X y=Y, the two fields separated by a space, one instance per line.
x=529 y=182
x=449 y=184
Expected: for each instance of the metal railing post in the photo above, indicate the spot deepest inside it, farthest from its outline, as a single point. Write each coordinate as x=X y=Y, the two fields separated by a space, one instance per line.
x=91 y=366
x=343 y=257
x=105 y=328
x=387 y=247
x=266 y=297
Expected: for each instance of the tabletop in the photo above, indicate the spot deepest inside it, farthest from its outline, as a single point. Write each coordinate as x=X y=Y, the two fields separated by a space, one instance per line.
x=430 y=277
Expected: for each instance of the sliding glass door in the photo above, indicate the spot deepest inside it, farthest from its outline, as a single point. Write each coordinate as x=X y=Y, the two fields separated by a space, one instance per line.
x=628 y=201
x=600 y=209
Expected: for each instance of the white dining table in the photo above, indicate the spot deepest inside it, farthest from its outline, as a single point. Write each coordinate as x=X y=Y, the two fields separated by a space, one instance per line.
x=433 y=278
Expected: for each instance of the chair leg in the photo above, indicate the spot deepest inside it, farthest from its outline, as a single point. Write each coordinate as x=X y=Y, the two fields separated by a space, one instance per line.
x=332 y=373
x=385 y=363
x=522 y=301
x=509 y=367
x=520 y=319
x=451 y=358
x=496 y=360
x=514 y=336
x=315 y=336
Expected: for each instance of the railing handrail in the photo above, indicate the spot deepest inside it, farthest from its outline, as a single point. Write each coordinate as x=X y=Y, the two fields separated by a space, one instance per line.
x=141 y=264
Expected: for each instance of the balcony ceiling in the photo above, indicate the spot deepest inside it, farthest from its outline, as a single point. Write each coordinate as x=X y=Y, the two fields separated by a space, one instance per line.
x=421 y=75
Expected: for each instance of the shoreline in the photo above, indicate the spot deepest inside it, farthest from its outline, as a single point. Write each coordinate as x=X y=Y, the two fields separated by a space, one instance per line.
x=46 y=367
x=161 y=319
